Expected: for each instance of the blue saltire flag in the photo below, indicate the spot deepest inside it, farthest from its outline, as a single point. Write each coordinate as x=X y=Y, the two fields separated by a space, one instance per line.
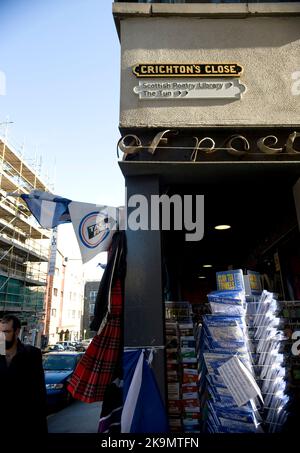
x=143 y=410
x=49 y=210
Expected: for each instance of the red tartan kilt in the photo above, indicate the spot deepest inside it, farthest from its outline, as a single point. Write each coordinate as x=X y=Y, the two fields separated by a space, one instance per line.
x=97 y=366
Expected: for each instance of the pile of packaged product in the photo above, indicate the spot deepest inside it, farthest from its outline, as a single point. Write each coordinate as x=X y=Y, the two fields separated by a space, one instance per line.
x=268 y=360
x=241 y=375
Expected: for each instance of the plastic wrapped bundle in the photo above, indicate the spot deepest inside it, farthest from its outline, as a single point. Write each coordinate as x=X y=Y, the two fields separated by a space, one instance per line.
x=224 y=336
x=269 y=362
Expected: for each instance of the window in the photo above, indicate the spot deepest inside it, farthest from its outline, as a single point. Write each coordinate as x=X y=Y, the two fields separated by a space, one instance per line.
x=73 y=314
x=53 y=312
x=59 y=362
x=92 y=308
x=79 y=314
x=93 y=295
x=55 y=292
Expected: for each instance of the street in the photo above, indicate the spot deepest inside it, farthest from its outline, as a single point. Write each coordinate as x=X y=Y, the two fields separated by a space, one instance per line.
x=78 y=417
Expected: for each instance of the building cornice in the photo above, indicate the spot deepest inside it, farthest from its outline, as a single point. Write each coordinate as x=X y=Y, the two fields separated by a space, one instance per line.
x=203 y=10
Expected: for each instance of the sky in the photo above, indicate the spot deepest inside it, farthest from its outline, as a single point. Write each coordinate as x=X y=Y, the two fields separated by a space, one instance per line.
x=60 y=60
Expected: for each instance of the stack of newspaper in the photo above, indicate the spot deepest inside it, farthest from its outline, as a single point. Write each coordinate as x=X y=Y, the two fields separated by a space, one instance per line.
x=268 y=359
x=228 y=390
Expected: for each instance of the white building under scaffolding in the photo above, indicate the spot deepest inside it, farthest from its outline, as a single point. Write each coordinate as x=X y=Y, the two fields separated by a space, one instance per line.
x=24 y=245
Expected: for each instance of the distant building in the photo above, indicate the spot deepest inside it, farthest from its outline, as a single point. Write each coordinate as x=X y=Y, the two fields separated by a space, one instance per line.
x=55 y=295
x=24 y=246
x=73 y=300
x=65 y=295
x=90 y=294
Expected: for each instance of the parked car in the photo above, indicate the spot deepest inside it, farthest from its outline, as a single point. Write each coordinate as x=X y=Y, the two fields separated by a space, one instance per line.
x=86 y=343
x=68 y=345
x=79 y=346
x=53 y=348
x=59 y=367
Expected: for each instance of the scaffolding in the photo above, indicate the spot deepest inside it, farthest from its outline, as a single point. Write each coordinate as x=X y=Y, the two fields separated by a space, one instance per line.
x=24 y=245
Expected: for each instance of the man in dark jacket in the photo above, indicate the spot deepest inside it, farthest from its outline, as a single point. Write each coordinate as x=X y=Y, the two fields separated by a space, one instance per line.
x=22 y=384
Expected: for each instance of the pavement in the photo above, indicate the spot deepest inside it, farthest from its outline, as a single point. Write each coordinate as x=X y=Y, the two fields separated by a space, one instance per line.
x=78 y=417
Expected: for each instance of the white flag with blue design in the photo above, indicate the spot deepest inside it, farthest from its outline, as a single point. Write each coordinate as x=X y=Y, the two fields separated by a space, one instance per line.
x=94 y=226
x=49 y=210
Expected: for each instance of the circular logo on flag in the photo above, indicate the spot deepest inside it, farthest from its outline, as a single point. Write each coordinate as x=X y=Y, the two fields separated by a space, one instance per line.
x=93 y=229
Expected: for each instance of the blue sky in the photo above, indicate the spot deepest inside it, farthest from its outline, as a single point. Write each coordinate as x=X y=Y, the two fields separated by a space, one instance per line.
x=61 y=62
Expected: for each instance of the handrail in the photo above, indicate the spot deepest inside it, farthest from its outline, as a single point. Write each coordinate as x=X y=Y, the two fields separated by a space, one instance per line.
x=27 y=217
x=10 y=145
x=39 y=250
x=14 y=175
x=4 y=283
x=7 y=251
x=13 y=206
x=8 y=223
x=30 y=273
x=14 y=228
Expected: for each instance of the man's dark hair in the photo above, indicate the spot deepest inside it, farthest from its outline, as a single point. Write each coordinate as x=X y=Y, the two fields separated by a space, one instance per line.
x=14 y=319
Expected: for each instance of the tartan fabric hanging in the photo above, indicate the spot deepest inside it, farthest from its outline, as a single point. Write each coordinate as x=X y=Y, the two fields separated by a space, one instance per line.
x=115 y=268
x=96 y=368
x=101 y=361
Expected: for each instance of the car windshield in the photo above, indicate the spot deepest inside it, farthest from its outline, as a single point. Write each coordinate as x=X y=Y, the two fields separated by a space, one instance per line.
x=59 y=362
x=55 y=346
